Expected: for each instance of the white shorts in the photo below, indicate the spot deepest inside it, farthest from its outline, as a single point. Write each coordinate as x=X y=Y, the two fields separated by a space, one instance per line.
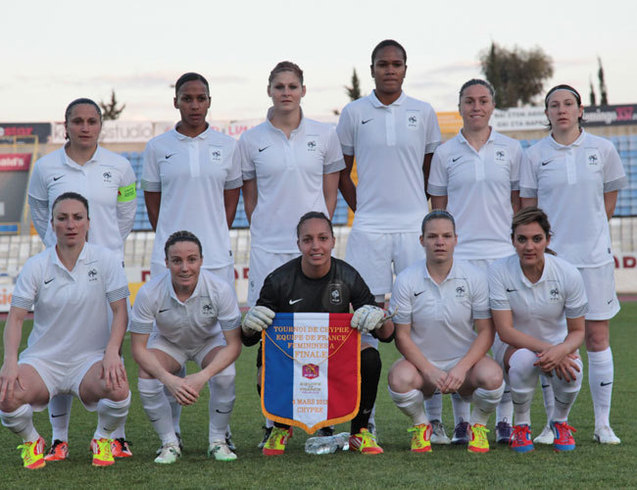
x=262 y=263
x=498 y=349
x=373 y=254
x=226 y=273
x=196 y=354
x=63 y=379
x=599 y=283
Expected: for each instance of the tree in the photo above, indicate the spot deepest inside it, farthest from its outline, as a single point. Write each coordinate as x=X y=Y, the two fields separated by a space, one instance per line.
x=110 y=111
x=354 y=92
x=517 y=75
x=593 y=98
x=603 y=94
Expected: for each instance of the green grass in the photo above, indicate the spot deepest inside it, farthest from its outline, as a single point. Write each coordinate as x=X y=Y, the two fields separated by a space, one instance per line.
x=591 y=465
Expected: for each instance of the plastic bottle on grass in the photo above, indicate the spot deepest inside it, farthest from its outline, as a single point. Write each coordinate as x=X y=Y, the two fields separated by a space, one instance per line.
x=327 y=444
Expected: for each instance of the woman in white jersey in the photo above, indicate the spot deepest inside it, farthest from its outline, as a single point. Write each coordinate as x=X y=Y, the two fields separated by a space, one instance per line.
x=575 y=177
x=475 y=176
x=107 y=180
x=290 y=166
x=538 y=305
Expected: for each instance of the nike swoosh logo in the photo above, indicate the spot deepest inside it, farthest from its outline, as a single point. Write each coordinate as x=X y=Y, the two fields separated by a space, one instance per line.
x=56 y=415
x=169 y=155
x=609 y=301
x=294 y=301
x=46 y=282
x=165 y=309
x=55 y=179
x=510 y=290
x=367 y=120
x=264 y=148
x=418 y=294
x=220 y=411
x=456 y=159
x=547 y=162
x=605 y=384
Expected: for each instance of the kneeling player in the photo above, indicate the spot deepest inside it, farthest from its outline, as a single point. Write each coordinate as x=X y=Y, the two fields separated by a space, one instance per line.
x=306 y=284
x=538 y=303
x=186 y=313
x=438 y=301
x=71 y=349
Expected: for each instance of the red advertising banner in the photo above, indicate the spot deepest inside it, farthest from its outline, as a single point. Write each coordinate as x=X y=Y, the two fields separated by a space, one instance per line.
x=12 y=162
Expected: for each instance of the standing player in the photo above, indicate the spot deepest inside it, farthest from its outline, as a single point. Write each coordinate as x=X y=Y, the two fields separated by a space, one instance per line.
x=316 y=282
x=538 y=305
x=290 y=166
x=72 y=348
x=475 y=176
x=192 y=180
x=575 y=177
x=107 y=180
x=393 y=137
x=189 y=314
x=438 y=303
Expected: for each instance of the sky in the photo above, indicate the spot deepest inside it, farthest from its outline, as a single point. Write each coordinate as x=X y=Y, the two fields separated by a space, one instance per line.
x=56 y=51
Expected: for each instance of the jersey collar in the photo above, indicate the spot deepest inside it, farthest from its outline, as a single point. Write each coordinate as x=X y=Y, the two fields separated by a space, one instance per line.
x=58 y=263
x=194 y=294
x=378 y=104
x=277 y=130
x=180 y=136
x=66 y=160
x=577 y=142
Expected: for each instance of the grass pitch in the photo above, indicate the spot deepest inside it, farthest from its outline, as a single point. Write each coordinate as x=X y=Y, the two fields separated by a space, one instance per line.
x=590 y=465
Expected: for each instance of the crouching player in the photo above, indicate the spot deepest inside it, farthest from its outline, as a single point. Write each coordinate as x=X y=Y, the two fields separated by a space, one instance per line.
x=538 y=304
x=71 y=349
x=186 y=313
x=438 y=301
x=317 y=283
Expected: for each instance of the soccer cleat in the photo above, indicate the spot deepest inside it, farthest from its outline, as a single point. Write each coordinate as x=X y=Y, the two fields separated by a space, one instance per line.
x=605 y=435
x=521 y=439
x=59 y=451
x=478 y=443
x=364 y=442
x=421 y=438
x=168 y=453
x=563 y=437
x=438 y=434
x=503 y=431
x=230 y=442
x=32 y=454
x=275 y=445
x=461 y=433
x=545 y=437
x=102 y=455
x=266 y=435
x=120 y=448
x=221 y=452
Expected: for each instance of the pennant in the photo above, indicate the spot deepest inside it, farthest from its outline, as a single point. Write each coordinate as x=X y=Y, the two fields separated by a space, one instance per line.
x=311 y=370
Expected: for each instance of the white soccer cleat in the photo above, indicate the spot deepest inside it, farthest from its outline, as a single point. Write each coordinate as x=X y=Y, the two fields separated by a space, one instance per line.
x=220 y=451
x=545 y=437
x=605 y=435
x=168 y=454
x=438 y=433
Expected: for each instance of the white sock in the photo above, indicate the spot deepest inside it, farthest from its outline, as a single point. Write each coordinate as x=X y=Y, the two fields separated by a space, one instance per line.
x=372 y=417
x=411 y=404
x=20 y=422
x=269 y=424
x=600 y=381
x=461 y=409
x=175 y=407
x=157 y=408
x=504 y=410
x=220 y=406
x=60 y=416
x=565 y=394
x=110 y=415
x=548 y=395
x=485 y=403
x=523 y=377
x=433 y=406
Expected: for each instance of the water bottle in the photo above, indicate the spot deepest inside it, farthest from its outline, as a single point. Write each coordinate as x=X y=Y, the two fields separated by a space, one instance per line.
x=327 y=444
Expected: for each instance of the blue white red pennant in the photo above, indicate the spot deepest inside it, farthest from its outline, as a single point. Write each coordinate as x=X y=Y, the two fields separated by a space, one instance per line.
x=311 y=370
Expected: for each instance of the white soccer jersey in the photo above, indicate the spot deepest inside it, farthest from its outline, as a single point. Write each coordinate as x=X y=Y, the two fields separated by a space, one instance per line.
x=569 y=183
x=289 y=173
x=390 y=144
x=441 y=316
x=539 y=310
x=70 y=311
x=191 y=174
x=211 y=308
x=478 y=187
x=107 y=181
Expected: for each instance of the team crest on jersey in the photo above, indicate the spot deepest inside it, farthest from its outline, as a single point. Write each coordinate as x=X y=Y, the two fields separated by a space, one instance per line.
x=336 y=294
x=500 y=154
x=216 y=153
x=554 y=294
x=412 y=119
x=592 y=157
x=207 y=309
x=92 y=274
x=107 y=177
x=311 y=143
x=461 y=292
